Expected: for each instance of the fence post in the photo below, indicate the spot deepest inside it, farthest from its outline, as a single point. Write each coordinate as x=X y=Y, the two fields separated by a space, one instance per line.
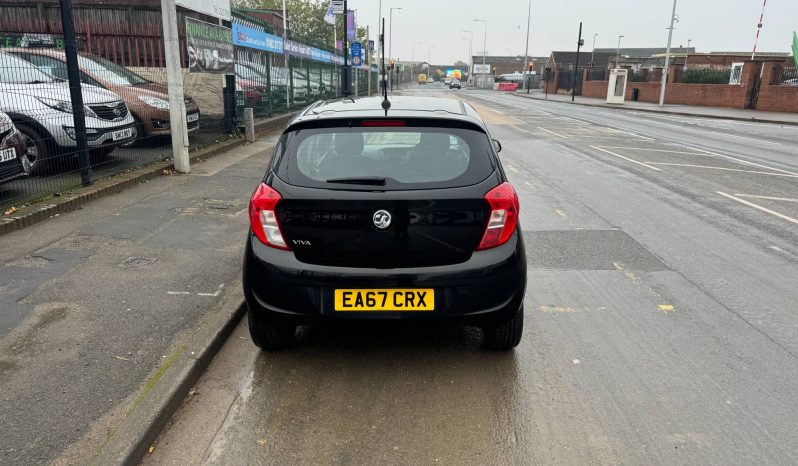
x=174 y=80
x=75 y=91
x=249 y=124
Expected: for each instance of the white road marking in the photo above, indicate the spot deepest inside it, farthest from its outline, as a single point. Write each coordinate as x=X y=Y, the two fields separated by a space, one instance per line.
x=660 y=150
x=632 y=134
x=761 y=141
x=770 y=198
x=627 y=158
x=722 y=168
x=552 y=132
x=178 y=292
x=214 y=294
x=741 y=160
x=757 y=206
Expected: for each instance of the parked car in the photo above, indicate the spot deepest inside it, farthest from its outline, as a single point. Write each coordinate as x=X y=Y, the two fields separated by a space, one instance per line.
x=147 y=101
x=40 y=106
x=455 y=84
x=404 y=216
x=791 y=82
x=252 y=84
x=13 y=160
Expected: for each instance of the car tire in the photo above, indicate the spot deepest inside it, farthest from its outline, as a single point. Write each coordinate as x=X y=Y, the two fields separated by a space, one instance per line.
x=271 y=336
x=39 y=152
x=506 y=336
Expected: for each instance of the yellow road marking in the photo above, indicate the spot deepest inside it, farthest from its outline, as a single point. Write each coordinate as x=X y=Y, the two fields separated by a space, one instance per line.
x=722 y=168
x=530 y=186
x=626 y=158
x=620 y=267
x=770 y=198
x=552 y=132
x=757 y=206
x=512 y=168
x=665 y=308
x=560 y=213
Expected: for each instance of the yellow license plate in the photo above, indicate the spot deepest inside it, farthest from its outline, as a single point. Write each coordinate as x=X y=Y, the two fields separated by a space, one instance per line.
x=401 y=300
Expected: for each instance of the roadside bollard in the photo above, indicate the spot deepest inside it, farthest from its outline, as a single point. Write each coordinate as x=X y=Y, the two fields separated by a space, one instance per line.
x=249 y=124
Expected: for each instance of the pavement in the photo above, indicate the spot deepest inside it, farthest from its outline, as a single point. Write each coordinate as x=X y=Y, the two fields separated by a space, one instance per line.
x=110 y=306
x=660 y=310
x=685 y=110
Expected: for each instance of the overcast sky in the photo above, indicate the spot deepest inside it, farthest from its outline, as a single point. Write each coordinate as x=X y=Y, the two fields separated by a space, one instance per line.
x=713 y=25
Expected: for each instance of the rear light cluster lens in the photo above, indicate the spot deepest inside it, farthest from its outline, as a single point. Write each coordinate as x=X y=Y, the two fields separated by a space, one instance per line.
x=503 y=218
x=263 y=218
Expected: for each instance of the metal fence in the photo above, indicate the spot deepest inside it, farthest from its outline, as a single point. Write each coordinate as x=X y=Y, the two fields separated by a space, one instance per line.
x=597 y=74
x=784 y=74
x=704 y=75
x=125 y=95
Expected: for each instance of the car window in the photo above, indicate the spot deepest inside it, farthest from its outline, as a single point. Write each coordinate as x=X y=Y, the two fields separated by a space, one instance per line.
x=407 y=157
x=55 y=67
x=18 y=71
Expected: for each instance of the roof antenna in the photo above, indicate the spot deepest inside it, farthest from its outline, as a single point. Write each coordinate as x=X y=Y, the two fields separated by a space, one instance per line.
x=386 y=104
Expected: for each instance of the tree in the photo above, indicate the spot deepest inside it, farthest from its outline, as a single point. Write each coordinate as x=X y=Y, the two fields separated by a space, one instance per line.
x=305 y=20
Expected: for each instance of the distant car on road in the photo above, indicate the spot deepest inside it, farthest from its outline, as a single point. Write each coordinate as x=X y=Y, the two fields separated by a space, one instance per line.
x=447 y=81
x=13 y=161
x=404 y=216
x=430 y=80
x=40 y=106
x=147 y=101
x=455 y=84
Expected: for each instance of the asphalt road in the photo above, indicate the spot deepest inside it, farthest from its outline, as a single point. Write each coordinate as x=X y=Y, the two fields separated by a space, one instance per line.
x=661 y=319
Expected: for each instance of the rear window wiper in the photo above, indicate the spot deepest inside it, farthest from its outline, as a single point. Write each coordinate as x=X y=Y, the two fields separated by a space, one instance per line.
x=367 y=180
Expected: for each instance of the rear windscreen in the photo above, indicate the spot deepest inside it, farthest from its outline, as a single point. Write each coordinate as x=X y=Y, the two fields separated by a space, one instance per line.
x=405 y=157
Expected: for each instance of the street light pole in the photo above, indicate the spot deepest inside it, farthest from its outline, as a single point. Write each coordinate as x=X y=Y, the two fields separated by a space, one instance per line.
x=687 y=55
x=575 y=81
x=484 y=40
x=526 y=51
x=429 y=60
x=470 y=57
x=412 y=59
x=593 y=52
x=390 y=41
x=618 y=52
x=667 y=58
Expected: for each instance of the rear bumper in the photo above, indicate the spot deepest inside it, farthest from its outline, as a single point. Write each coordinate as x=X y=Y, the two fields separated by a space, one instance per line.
x=487 y=289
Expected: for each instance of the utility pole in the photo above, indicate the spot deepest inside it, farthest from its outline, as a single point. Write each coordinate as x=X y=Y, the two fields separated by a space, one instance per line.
x=174 y=80
x=390 y=42
x=526 y=51
x=593 y=52
x=618 y=53
x=412 y=59
x=380 y=48
x=368 y=54
x=470 y=57
x=667 y=58
x=575 y=81
x=289 y=92
x=429 y=60
x=687 y=55
x=347 y=81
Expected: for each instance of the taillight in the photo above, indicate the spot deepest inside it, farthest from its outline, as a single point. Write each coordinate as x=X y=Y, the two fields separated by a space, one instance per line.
x=503 y=216
x=263 y=218
x=383 y=123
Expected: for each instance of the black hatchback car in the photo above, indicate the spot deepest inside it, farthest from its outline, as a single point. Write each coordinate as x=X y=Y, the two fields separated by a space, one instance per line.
x=367 y=214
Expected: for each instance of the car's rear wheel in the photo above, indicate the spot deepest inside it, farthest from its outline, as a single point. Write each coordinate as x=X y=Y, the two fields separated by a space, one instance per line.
x=36 y=148
x=271 y=336
x=505 y=336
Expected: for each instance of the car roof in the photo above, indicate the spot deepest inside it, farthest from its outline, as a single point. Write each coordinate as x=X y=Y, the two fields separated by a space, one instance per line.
x=401 y=107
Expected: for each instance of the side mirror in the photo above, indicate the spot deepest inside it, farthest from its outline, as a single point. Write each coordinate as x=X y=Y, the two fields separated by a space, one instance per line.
x=497 y=145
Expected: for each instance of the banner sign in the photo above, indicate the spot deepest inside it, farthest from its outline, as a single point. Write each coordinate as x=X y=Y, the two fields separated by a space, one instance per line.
x=355 y=51
x=454 y=73
x=210 y=48
x=795 y=47
x=215 y=8
x=481 y=69
x=371 y=46
x=245 y=36
x=350 y=26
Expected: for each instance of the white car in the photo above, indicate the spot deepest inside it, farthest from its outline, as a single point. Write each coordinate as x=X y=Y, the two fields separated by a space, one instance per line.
x=40 y=107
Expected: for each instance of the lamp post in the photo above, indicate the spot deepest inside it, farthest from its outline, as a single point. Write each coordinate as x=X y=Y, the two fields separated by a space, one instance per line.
x=618 y=52
x=526 y=50
x=667 y=58
x=593 y=52
x=687 y=54
x=390 y=39
x=429 y=60
x=484 y=38
x=412 y=59
x=470 y=56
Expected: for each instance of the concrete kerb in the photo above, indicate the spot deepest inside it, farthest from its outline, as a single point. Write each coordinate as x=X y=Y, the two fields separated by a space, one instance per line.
x=51 y=205
x=663 y=112
x=166 y=389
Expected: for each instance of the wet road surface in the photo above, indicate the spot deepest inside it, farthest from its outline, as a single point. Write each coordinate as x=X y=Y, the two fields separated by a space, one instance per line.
x=660 y=320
